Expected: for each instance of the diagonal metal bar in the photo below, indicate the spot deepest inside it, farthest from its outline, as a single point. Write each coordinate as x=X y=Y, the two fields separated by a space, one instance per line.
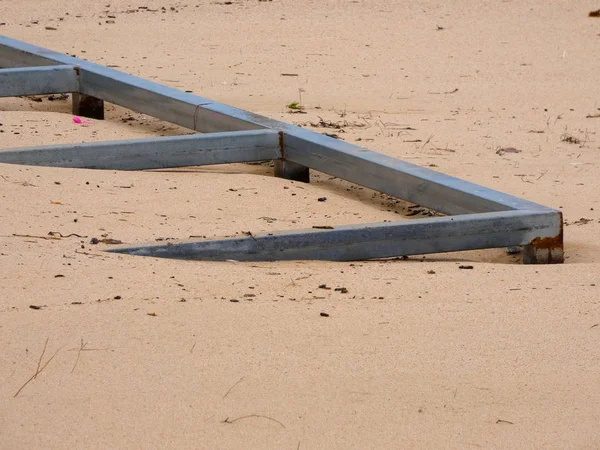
x=171 y=105
x=155 y=153
x=18 y=56
x=38 y=80
x=392 y=176
x=368 y=241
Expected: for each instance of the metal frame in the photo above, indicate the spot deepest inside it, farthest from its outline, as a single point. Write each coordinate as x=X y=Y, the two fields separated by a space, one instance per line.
x=476 y=217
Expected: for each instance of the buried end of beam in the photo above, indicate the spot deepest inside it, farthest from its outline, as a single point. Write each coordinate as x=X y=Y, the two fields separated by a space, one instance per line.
x=291 y=171
x=549 y=250
x=88 y=106
x=544 y=251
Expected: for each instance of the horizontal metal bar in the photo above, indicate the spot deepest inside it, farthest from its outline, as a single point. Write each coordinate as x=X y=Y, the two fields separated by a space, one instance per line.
x=155 y=153
x=369 y=241
x=392 y=176
x=38 y=80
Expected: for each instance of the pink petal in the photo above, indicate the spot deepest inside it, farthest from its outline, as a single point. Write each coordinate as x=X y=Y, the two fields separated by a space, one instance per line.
x=76 y=119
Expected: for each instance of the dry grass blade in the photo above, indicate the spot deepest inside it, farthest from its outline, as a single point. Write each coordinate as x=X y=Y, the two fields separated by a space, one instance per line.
x=81 y=347
x=37 y=237
x=39 y=369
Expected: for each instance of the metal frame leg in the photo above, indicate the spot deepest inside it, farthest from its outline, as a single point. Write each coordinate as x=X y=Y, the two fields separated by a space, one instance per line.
x=292 y=171
x=88 y=106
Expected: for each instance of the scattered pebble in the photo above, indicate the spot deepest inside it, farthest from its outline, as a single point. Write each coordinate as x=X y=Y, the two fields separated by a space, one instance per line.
x=502 y=151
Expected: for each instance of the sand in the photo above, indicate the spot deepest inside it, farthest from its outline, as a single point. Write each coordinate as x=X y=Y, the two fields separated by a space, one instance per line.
x=150 y=353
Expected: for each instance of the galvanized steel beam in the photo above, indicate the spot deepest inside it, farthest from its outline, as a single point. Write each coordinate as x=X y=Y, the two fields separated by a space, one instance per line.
x=368 y=241
x=153 y=153
x=17 y=82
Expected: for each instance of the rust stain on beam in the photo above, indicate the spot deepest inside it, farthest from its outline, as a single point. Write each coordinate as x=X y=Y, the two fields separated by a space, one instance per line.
x=547 y=250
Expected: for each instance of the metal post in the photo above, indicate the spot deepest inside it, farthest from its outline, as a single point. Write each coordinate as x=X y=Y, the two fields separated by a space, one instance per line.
x=292 y=171
x=88 y=106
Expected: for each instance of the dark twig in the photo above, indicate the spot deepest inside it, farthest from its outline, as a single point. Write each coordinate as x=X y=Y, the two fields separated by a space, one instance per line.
x=227 y=420
x=231 y=388
x=58 y=233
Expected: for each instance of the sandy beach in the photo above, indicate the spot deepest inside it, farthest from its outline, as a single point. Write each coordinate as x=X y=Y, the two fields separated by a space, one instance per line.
x=414 y=353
